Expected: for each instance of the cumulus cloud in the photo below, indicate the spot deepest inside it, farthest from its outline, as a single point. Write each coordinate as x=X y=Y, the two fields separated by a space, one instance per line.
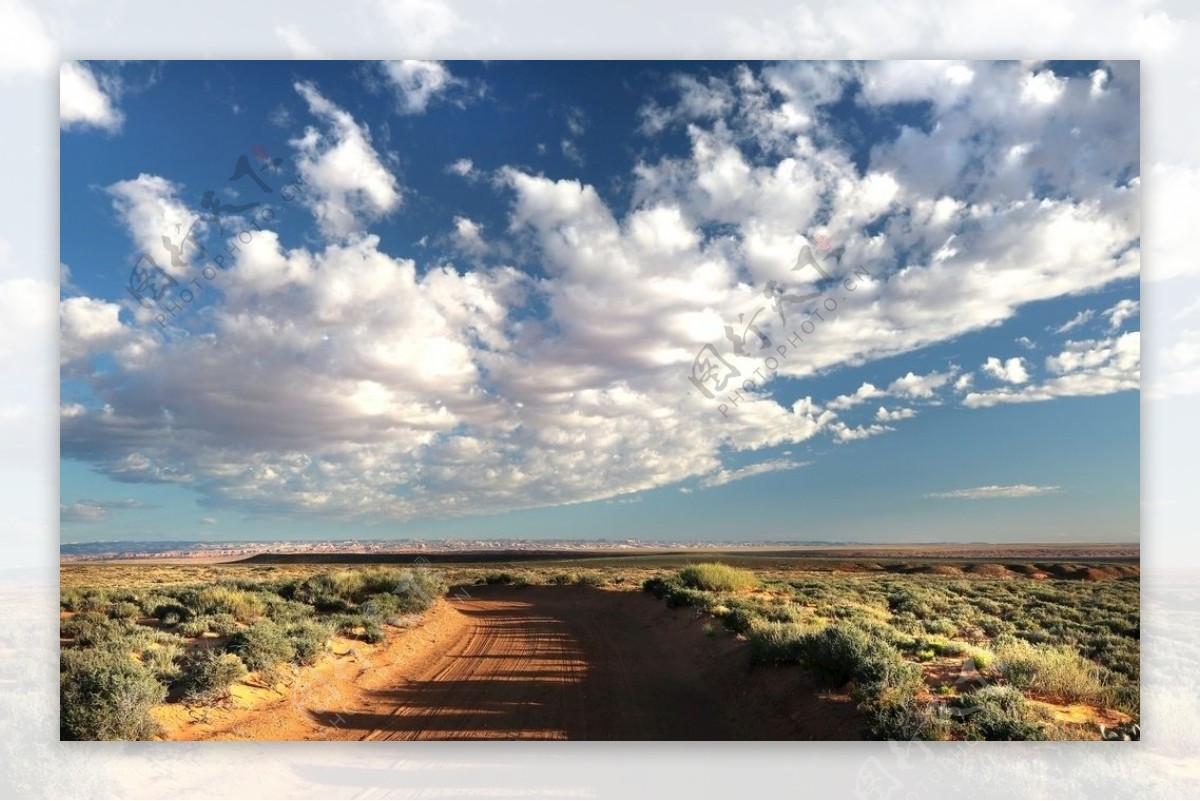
x=846 y=433
x=996 y=491
x=83 y=102
x=885 y=415
x=385 y=388
x=418 y=83
x=346 y=183
x=89 y=328
x=150 y=209
x=912 y=385
x=1011 y=371
x=468 y=237
x=25 y=47
x=1090 y=367
x=464 y=168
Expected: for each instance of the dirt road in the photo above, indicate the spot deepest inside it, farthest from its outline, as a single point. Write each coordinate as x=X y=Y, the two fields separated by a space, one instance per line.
x=581 y=663
x=535 y=663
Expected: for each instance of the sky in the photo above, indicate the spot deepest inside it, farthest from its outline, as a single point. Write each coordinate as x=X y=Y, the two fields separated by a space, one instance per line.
x=514 y=300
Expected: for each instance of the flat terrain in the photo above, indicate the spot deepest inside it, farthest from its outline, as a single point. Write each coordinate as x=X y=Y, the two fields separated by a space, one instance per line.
x=632 y=647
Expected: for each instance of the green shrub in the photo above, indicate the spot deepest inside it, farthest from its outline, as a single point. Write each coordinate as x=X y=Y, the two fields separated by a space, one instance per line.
x=838 y=652
x=124 y=610
x=337 y=584
x=241 y=604
x=263 y=646
x=309 y=639
x=209 y=675
x=590 y=580
x=514 y=579
x=88 y=600
x=105 y=695
x=281 y=610
x=93 y=628
x=163 y=661
x=1056 y=672
x=196 y=627
x=171 y=614
x=741 y=621
x=777 y=643
x=900 y=716
x=982 y=657
x=717 y=578
x=997 y=713
x=372 y=632
x=675 y=594
x=952 y=648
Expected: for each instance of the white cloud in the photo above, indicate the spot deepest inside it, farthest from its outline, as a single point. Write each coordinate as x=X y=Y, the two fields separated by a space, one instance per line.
x=1011 y=371
x=297 y=43
x=845 y=433
x=724 y=476
x=884 y=415
x=912 y=385
x=995 y=491
x=208 y=521
x=1079 y=319
x=92 y=511
x=387 y=389
x=468 y=237
x=464 y=168
x=346 y=183
x=1042 y=88
x=419 y=26
x=150 y=209
x=1025 y=342
x=88 y=327
x=576 y=121
x=864 y=393
x=418 y=83
x=1092 y=367
x=944 y=82
x=25 y=47
x=964 y=382
x=82 y=102
x=1119 y=313
x=571 y=151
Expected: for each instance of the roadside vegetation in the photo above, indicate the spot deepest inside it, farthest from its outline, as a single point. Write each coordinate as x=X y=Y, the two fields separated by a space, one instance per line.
x=934 y=657
x=931 y=650
x=124 y=651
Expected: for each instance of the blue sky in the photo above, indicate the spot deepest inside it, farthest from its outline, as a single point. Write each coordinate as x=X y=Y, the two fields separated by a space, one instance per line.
x=475 y=310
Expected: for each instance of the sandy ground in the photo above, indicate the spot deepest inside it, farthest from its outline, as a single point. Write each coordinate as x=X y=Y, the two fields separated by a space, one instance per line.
x=537 y=663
